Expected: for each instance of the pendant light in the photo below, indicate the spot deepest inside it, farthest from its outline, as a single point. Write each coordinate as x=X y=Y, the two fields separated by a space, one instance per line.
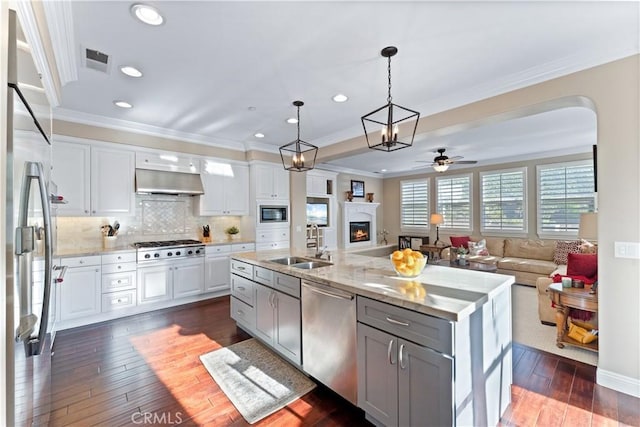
x=298 y=156
x=398 y=123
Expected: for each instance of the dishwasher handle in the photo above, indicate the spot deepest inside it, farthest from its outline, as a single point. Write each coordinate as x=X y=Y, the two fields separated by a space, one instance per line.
x=347 y=297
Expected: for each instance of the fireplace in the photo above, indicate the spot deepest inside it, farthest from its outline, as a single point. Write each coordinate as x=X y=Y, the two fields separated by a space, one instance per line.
x=359 y=231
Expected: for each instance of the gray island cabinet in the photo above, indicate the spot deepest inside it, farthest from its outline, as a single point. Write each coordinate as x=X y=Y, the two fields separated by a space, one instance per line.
x=431 y=351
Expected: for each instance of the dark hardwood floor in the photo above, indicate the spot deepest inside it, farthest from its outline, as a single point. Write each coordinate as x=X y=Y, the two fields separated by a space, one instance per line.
x=119 y=372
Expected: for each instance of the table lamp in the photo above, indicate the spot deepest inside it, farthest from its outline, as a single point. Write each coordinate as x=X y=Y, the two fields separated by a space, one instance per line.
x=588 y=229
x=436 y=219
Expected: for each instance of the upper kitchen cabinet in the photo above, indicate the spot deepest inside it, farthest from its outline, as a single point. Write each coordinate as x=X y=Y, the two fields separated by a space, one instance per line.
x=320 y=183
x=94 y=180
x=270 y=181
x=167 y=161
x=226 y=188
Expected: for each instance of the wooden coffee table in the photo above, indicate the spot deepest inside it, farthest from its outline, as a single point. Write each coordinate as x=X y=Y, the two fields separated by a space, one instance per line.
x=566 y=298
x=433 y=250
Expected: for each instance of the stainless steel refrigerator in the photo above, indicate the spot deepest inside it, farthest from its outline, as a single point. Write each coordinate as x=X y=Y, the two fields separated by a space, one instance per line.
x=30 y=239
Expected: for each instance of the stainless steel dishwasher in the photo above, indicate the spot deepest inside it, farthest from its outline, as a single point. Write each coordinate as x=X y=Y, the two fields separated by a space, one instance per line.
x=329 y=338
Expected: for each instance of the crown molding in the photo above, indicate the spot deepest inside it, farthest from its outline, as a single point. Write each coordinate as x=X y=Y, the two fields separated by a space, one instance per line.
x=133 y=127
x=339 y=169
x=29 y=25
x=60 y=22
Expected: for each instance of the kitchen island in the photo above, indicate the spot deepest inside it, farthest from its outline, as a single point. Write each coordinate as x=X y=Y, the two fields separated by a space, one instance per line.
x=433 y=350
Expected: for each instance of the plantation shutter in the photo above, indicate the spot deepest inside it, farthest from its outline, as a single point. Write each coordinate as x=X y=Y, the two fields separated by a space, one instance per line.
x=414 y=204
x=503 y=203
x=454 y=201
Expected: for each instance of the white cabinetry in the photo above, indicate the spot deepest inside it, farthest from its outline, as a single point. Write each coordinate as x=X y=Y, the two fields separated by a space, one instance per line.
x=270 y=182
x=320 y=183
x=80 y=291
x=118 y=281
x=188 y=277
x=216 y=268
x=154 y=283
x=167 y=161
x=94 y=180
x=226 y=189
x=166 y=280
x=271 y=237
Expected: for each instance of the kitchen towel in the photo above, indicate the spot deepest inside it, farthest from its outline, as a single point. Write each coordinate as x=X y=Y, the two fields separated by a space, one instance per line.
x=257 y=381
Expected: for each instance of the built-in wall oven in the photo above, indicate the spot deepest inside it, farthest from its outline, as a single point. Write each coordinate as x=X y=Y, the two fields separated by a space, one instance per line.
x=273 y=214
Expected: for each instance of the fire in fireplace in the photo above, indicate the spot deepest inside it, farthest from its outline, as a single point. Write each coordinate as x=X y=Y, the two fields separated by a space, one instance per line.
x=359 y=231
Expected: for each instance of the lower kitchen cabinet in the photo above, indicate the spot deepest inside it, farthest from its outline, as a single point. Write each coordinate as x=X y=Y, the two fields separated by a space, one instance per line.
x=164 y=281
x=154 y=283
x=80 y=292
x=216 y=268
x=401 y=383
x=278 y=322
x=188 y=277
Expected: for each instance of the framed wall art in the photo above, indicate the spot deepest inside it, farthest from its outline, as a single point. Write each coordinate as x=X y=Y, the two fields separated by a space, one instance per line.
x=357 y=187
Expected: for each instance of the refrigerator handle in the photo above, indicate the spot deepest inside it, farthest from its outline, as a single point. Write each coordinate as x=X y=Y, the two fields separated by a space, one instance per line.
x=24 y=249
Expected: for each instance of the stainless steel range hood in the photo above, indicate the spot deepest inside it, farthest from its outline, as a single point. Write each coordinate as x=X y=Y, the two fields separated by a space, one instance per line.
x=163 y=182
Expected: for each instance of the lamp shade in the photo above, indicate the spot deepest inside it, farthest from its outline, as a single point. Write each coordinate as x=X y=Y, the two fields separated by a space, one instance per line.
x=436 y=219
x=588 y=226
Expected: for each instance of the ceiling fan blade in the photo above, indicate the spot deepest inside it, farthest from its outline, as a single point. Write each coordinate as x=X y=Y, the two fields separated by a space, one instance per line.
x=466 y=162
x=455 y=158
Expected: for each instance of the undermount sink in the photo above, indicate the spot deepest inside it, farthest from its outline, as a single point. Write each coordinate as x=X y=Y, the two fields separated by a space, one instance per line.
x=289 y=260
x=298 y=262
x=311 y=264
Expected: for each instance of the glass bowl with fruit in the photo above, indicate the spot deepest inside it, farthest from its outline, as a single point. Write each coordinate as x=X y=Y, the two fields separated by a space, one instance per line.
x=408 y=263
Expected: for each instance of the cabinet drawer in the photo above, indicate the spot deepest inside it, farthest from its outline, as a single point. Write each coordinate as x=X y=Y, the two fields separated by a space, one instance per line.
x=420 y=328
x=118 y=268
x=243 y=247
x=119 y=258
x=84 y=261
x=219 y=249
x=243 y=313
x=287 y=284
x=118 y=281
x=276 y=235
x=263 y=275
x=118 y=300
x=242 y=289
x=242 y=268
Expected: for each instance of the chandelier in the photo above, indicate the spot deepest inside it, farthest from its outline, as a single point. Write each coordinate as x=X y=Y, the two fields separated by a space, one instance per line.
x=398 y=123
x=298 y=155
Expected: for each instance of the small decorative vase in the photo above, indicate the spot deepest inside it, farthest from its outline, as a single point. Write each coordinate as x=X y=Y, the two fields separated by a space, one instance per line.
x=369 y=197
x=350 y=196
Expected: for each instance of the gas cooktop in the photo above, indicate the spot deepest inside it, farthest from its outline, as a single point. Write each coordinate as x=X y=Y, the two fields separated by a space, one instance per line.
x=168 y=249
x=166 y=243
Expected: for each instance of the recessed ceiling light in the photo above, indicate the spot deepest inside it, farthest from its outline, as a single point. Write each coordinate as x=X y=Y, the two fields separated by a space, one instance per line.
x=122 y=104
x=383 y=170
x=130 y=71
x=292 y=120
x=340 y=98
x=147 y=14
x=259 y=135
x=251 y=108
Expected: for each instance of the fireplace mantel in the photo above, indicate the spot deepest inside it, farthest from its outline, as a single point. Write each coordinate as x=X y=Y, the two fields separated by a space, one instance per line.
x=358 y=211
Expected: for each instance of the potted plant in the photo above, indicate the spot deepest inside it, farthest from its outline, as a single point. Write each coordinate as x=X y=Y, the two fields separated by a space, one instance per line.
x=232 y=231
x=462 y=255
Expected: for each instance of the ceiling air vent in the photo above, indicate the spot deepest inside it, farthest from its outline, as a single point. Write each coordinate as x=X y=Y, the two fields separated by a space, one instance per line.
x=96 y=60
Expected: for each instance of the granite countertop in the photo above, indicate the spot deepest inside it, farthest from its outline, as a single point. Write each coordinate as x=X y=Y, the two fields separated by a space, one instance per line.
x=445 y=292
x=99 y=250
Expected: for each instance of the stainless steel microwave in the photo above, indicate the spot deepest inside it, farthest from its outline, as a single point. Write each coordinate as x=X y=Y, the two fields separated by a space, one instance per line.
x=273 y=213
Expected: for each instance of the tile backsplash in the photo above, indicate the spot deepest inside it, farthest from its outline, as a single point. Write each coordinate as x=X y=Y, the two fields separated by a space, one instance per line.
x=157 y=217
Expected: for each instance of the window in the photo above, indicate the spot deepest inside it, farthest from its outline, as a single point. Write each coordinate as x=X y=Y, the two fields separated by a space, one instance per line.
x=503 y=200
x=454 y=201
x=565 y=190
x=414 y=204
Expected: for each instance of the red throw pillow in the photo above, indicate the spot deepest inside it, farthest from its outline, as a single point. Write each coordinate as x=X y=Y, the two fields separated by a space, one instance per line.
x=457 y=241
x=582 y=265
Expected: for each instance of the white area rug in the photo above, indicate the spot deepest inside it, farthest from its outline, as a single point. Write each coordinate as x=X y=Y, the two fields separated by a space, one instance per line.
x=257 y=382
x=528 y=330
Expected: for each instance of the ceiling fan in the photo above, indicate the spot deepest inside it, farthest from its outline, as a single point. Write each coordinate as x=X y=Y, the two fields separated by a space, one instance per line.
x=441 y=162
